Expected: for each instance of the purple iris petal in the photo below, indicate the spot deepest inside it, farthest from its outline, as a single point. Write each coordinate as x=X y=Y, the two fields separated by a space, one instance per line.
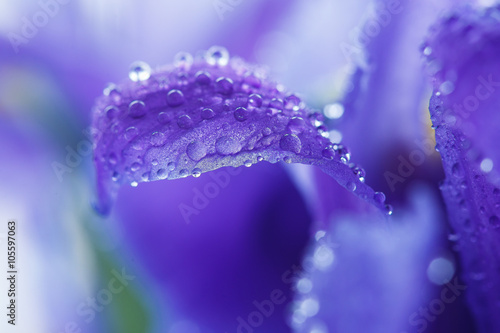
x=203 y=114
x=358 y=269
x=462 y=53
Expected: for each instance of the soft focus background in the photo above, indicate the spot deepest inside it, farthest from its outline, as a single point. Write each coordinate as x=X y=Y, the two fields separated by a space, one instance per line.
x=148 y=269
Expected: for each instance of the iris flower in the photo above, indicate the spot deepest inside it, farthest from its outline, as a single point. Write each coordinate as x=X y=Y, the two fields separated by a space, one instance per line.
x=331 y=168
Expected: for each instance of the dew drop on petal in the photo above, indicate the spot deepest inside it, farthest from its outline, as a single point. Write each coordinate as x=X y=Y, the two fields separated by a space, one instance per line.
x=255 y=100
x=241 y=114
x=196 y=150
x=183 y=60
x=224 y=85
x=158 y=139
x=196 y=172
x=137 y=109
x=227 y=145
x=175 y=98
x=291 y=142
x=139 y=71
x=185 y=122
x=217 y=55
x=162 y=173
x=207 y=113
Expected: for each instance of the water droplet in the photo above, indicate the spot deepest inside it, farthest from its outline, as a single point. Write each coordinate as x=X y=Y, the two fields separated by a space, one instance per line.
x=287 y=159
x=266 y=131
x=291 y=142
x=217 y=55
x=486 y=165
x=328 y=153
x=292 y=102
x=115 y=176
x=203 y=78
x=224 y=85
x=185 y=122
x=241 y=114
x=388 y=209
x=175 y=97
x=134 y=184
x=276 y=103
x=135 y=166
x=154 y=162
x=112 y=158
x=165 y=117
x=248 y=163
x=379 y=197
x=171 y=166
x=183 y=173
x=137 y=109
x=183 y=60
x=196 y=150
x=333 y=111
x=139 y=71
x=196 y=172
x=111 y=112
x=227 y=145
x=344 y=153
x=162 y=173
x=446 y=87
x=351 y=186
x=145 y=176
x=255 y=100
x=158 y=139
x=131 y=133
x=304 y=285
x=207 y=113
x=296 y=125
x=260 y=158
x=323 y=257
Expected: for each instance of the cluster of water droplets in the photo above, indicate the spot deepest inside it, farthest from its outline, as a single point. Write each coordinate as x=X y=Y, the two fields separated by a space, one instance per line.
x=205 y=112
x=305 y=309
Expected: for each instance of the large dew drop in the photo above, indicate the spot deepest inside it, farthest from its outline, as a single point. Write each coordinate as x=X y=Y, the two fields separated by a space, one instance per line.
x=203 y=113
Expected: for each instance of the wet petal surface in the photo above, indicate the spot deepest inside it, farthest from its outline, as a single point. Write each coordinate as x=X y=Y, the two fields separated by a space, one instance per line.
x=462 y=54
x=202 y=114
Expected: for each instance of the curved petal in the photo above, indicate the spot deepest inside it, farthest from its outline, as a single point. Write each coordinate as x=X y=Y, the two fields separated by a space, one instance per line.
x=462 y=53
x=199 y=116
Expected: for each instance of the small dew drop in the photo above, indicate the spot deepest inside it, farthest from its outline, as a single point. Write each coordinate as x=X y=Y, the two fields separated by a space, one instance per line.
x=287 y=159
x=227 y=145
x=224 y=85
x=184 y=173
x=207 y=113
x=334 y=111
x=185 y=122
x=255 y=100
x=291 y=142
x=241 y=114
x=171 y=166
x=162 y=173
x=158 y=139
x=139 y=71
x=131 y=133
x=196 y=172
x=196 y=150
x=175 y=98
x=183 y=60
x=248 y=163
x=217 y=55
x=203 y=78
x=137 y=109
x=351 y=186
x=486 y=165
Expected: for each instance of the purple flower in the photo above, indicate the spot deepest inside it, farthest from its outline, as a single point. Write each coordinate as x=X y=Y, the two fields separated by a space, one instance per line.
x=462 y=55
